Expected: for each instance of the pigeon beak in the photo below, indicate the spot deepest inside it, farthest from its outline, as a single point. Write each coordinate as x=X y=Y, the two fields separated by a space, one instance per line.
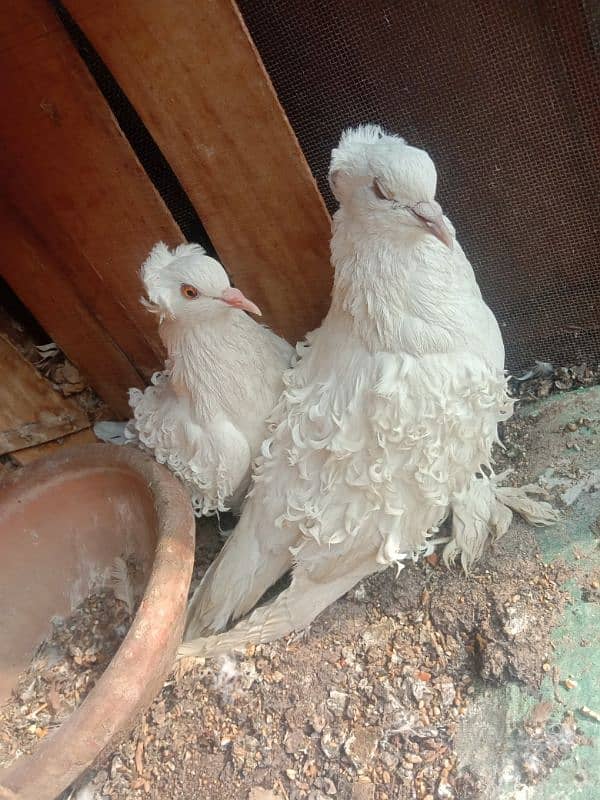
x=235 y=299
x=430 y=215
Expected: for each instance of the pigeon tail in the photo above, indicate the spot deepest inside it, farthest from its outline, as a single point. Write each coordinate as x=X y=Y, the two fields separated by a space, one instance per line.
x=293 y=610
x=251 y=561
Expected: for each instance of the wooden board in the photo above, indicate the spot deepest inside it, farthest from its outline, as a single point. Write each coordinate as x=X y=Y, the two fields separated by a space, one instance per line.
x=75 y=181
x=38 y=277
x=31 y=410
x=31 y=454
x=194 y=76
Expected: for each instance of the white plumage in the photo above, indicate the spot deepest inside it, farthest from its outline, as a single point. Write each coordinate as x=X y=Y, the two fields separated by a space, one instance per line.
x=205 y=415
x=386 y=423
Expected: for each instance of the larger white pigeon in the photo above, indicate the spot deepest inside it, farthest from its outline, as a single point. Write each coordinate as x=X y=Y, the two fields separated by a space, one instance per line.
x=386 y=423
x=205 y=415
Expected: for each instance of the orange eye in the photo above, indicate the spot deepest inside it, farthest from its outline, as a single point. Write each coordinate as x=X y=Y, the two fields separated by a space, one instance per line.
x=189 y=291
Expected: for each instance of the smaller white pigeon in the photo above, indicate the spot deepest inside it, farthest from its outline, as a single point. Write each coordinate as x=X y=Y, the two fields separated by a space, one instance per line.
x=204 y=416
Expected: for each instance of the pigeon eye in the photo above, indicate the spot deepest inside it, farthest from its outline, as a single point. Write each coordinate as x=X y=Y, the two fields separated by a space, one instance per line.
x=190 y=292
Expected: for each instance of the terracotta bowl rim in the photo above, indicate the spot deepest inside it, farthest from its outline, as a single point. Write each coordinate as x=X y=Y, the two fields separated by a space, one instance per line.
x=148 y=650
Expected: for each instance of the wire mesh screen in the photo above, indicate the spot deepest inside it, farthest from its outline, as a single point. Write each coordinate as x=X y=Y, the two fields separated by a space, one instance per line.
x=504 y=94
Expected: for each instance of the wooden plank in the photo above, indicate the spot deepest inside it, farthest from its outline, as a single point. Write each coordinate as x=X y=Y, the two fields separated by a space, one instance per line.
x=31 y=410
x=194 y=76
x=73 y=177
x=38 y=277
x=31 y=454
x=19 y=22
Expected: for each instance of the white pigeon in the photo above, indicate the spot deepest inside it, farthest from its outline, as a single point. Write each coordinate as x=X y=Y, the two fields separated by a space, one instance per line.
x=387 y=421
x=204 y=417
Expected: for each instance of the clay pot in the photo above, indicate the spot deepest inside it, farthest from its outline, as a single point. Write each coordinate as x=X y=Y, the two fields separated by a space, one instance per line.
x=63 y=521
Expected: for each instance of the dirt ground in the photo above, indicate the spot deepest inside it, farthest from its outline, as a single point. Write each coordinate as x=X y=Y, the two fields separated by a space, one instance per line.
x=369 y=703
x=62 y=673
x=366 y=705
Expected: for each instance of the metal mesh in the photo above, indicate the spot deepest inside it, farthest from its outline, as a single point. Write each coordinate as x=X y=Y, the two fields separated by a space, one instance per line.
x=504 y=94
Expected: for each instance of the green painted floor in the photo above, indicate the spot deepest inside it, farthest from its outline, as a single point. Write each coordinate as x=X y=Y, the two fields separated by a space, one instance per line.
x=568 y=461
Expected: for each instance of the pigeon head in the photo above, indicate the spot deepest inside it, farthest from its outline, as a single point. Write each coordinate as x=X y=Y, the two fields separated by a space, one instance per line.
x=185 y=284
x=379 y=177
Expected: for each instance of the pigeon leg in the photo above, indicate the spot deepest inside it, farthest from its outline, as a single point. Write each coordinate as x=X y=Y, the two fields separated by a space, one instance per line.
x=534 y=512
x=485 y=510
x=472 y=525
